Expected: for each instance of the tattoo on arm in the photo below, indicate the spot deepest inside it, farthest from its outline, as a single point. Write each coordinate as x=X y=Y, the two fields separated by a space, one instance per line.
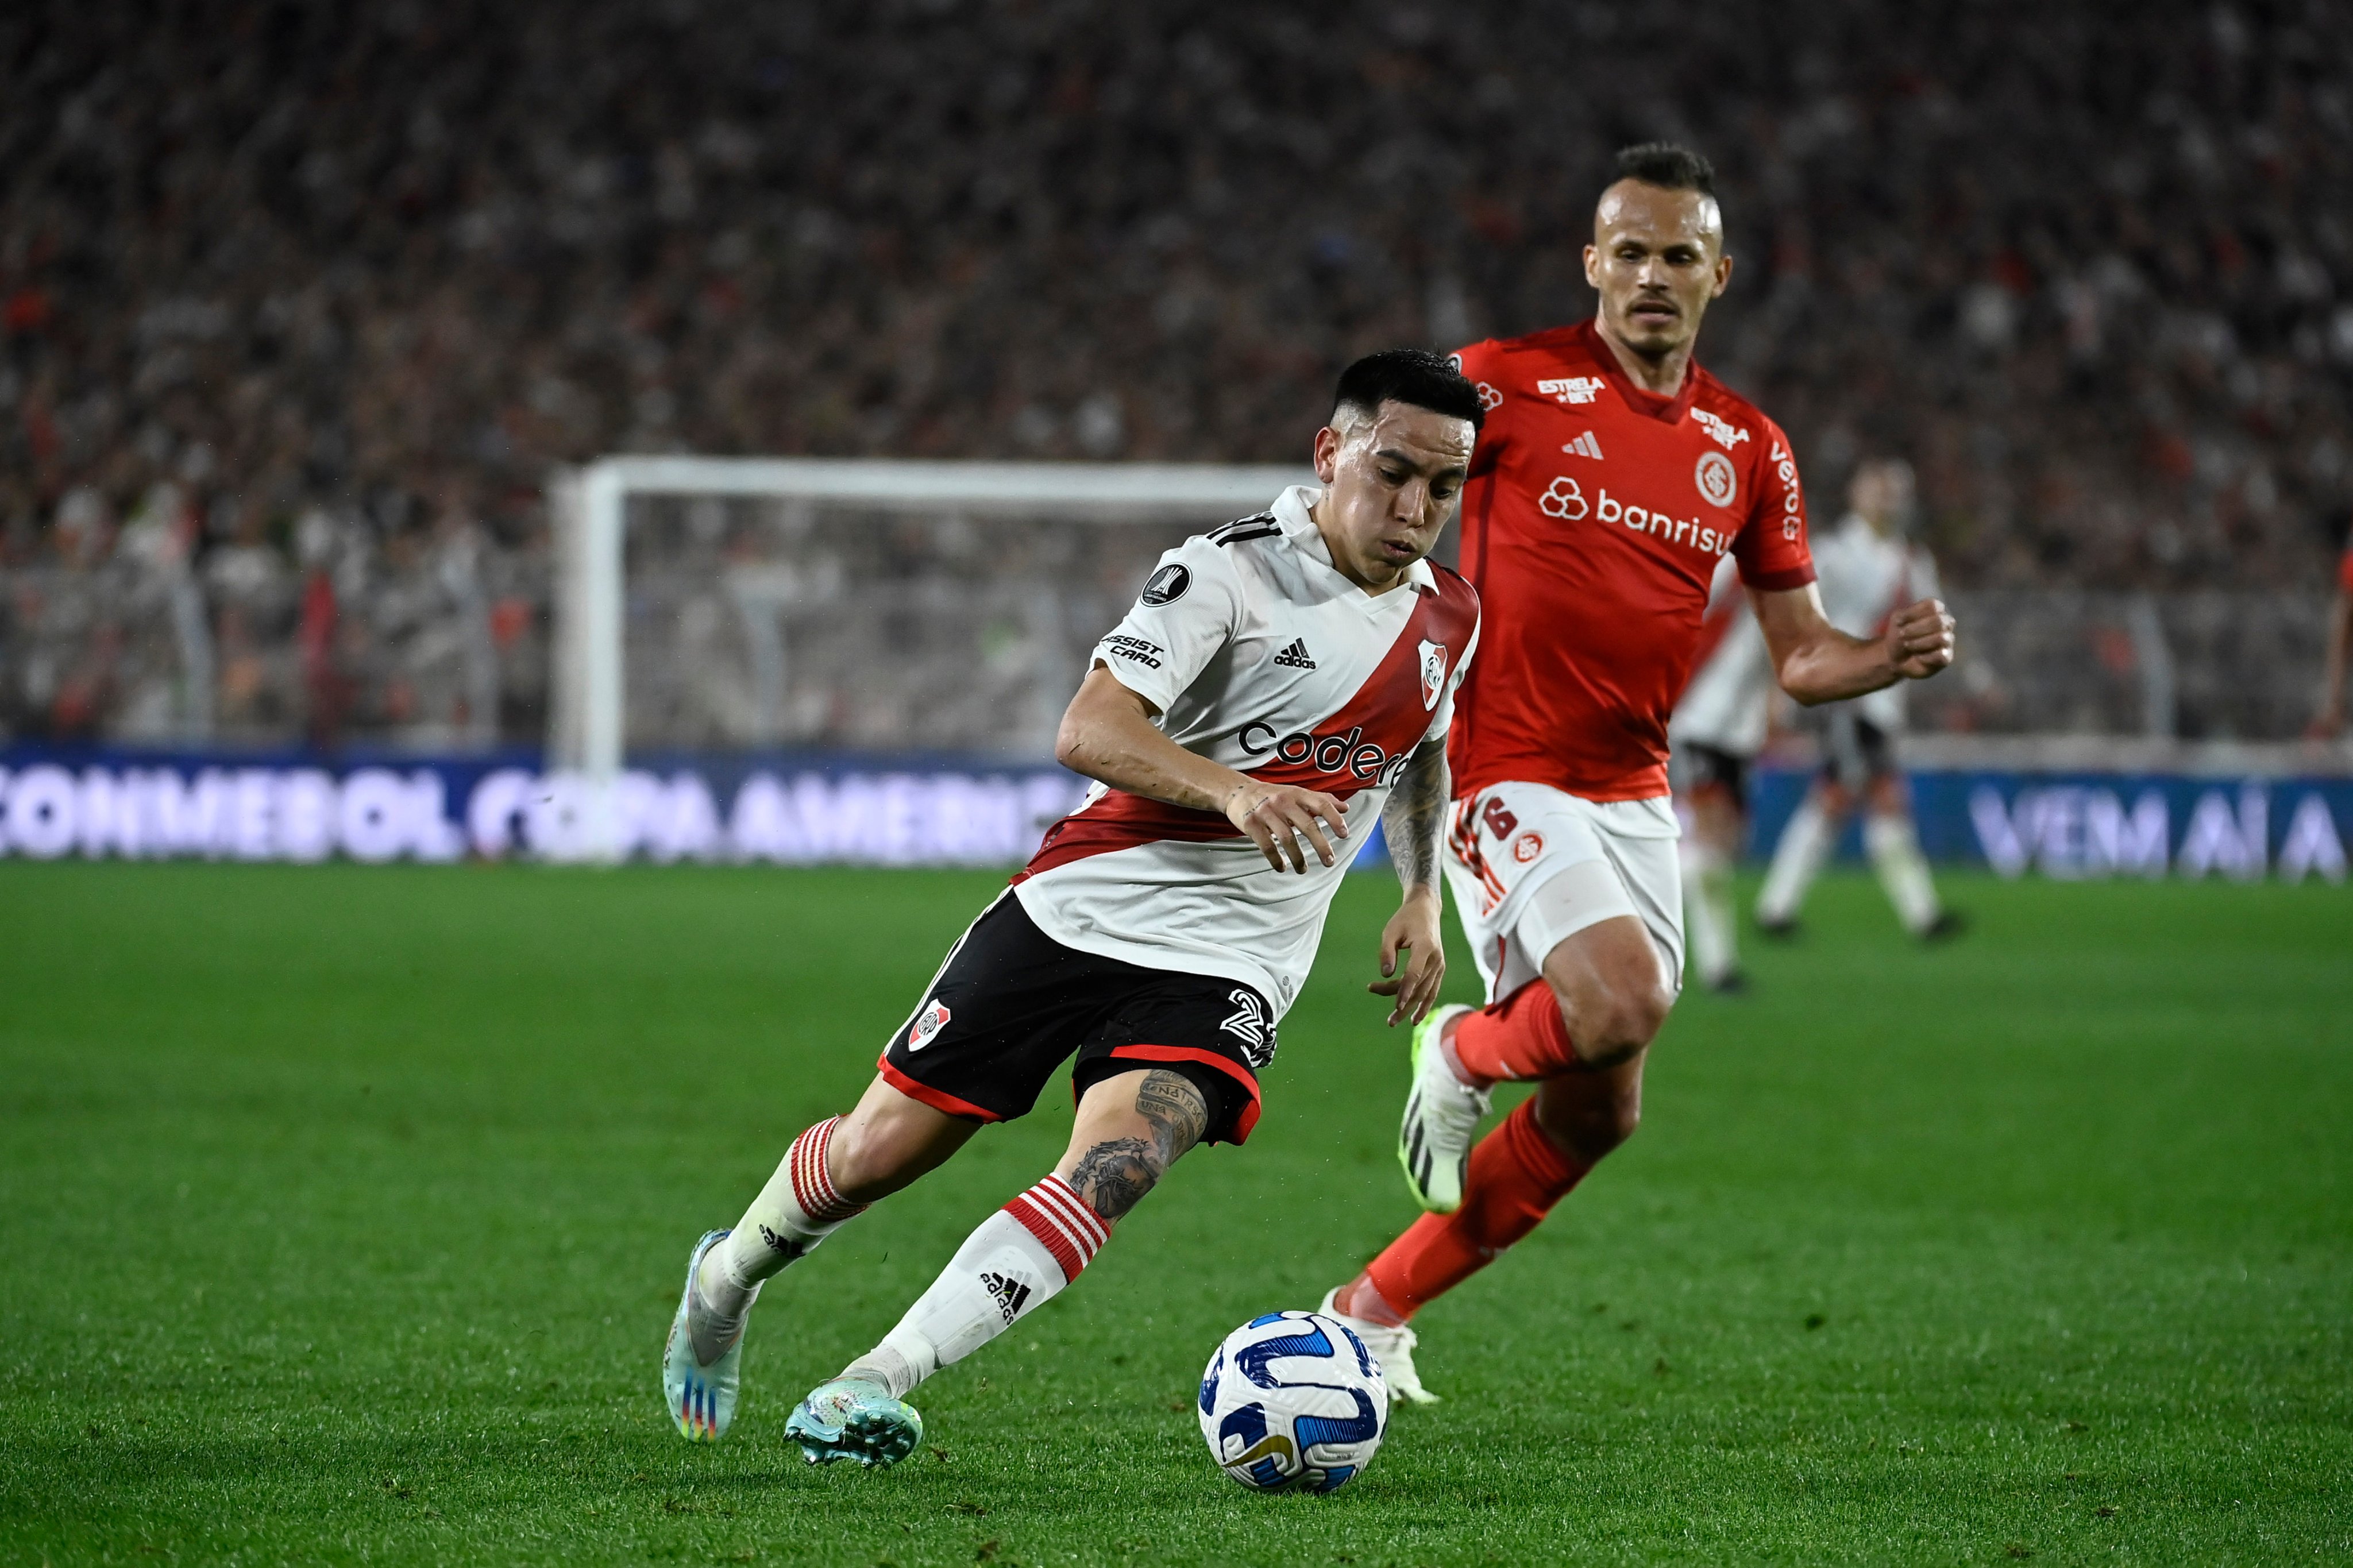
x=1416 y=816
x=1113 y=1175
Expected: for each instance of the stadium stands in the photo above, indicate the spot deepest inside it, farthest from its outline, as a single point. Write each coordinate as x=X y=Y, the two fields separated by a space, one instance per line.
x=298 y=306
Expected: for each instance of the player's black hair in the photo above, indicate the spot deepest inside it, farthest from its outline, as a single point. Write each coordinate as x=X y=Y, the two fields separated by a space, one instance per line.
x=1667 y=166
x=1414 y=376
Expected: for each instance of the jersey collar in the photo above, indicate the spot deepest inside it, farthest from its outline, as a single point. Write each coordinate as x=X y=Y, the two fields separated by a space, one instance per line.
x=1666 y=410
x=1290 y=511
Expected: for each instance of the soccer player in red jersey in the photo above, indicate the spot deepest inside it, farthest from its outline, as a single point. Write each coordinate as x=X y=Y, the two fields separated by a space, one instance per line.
x=1611 y=475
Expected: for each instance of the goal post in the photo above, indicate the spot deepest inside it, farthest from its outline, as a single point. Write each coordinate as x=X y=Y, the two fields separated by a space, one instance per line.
x=589 y=707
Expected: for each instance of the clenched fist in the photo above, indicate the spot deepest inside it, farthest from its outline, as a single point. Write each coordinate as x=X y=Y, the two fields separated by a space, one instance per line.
x=1920 y=639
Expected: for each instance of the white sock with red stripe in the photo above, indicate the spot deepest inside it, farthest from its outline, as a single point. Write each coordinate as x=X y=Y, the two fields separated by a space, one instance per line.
x=798 y=1209
x=1019 y=1259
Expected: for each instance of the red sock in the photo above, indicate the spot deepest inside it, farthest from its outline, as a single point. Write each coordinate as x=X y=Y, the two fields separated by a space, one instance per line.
x=1523 y=1037
x=1517 y=1175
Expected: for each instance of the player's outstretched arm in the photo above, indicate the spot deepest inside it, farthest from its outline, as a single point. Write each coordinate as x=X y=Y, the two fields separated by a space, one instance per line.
x=1108 y=734
x=1815 y=662
x=1412 y=823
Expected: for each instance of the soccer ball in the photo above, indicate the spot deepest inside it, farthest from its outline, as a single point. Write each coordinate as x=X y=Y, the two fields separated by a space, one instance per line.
x=1294 y=1399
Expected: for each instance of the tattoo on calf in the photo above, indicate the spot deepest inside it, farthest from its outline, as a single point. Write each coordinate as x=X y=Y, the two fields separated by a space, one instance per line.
x=1176 y=1109
x=1113 y=1175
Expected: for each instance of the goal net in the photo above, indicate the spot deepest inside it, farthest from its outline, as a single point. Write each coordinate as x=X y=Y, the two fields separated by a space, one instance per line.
x=851 y=647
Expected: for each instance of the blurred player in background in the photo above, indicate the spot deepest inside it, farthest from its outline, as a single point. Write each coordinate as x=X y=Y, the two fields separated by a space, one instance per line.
x=1717 y=730
x=1279 y=680
x=1611 y=476
x=2329 y=722
x=1869 y=572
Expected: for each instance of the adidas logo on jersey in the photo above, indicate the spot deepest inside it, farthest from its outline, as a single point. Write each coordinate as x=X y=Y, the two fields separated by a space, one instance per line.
x=1007 y=1292
x=1585 y=446
x=1262 y=526
x=1296 y=656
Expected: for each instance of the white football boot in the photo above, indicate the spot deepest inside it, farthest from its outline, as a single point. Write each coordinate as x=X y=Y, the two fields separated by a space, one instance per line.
x=1441 y=1117
x=1393 y=1348
x=700 y=1393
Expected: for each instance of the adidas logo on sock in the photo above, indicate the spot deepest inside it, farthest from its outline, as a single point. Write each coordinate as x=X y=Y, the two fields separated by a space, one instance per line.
x=1296 y=656
x=1007 y=1291
x=792 y=1248
x=1585 y=446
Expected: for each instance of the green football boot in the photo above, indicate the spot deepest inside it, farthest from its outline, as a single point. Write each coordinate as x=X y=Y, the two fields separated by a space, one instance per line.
x=1441 y=1117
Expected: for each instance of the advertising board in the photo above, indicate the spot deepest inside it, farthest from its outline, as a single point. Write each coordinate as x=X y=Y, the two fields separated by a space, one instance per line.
x=927 y=812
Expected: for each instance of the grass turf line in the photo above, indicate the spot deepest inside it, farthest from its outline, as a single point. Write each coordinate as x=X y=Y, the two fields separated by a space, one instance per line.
x=345 y=1211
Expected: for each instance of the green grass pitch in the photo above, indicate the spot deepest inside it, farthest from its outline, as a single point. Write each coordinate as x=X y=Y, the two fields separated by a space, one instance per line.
x=344 y=1210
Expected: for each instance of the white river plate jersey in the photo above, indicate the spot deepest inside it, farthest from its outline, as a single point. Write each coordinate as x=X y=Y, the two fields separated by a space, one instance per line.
x=1865 y=579
x=1261 y=656
x=1726 y=705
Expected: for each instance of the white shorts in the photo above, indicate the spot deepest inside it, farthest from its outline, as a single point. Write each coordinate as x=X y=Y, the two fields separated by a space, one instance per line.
x=1531 y=865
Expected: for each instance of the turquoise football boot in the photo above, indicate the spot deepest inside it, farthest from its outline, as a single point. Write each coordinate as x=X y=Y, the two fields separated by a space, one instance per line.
x=850 y=1418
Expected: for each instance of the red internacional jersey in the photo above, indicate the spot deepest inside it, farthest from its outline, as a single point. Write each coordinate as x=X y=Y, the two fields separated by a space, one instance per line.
x=1592 y=523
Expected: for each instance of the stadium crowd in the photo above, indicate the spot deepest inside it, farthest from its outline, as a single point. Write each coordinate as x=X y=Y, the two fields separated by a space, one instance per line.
x=299 y=305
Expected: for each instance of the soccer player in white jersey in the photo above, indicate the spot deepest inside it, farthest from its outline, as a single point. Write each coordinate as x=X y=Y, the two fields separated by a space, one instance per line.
x=1868 y=571
x=1718 y=727
x=1280 y=683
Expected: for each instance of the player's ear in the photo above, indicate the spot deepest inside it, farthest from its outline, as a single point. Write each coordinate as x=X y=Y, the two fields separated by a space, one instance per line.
x=1592 y=268
x=1327 y=454
x=1723 y=276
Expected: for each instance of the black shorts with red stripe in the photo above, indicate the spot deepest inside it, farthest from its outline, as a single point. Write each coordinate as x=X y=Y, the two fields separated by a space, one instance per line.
x=1012 y=1004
